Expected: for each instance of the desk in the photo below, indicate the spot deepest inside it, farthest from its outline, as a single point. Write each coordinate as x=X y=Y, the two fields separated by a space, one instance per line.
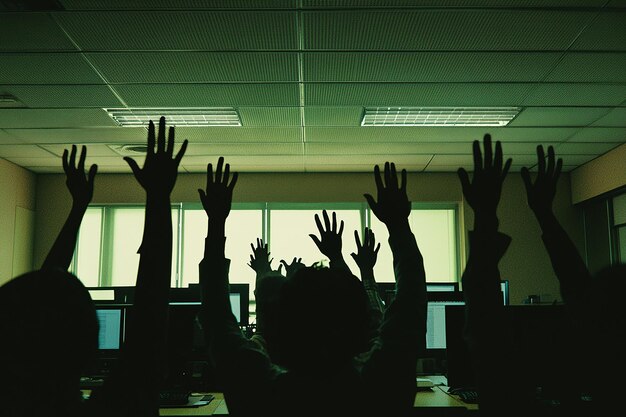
x=216 y=407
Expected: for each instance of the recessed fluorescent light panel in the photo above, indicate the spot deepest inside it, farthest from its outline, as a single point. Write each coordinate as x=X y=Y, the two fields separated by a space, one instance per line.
x=222 y=116
x=439 y=116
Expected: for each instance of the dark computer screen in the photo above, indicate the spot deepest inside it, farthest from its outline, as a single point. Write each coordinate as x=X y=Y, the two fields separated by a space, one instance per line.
x=436 y=323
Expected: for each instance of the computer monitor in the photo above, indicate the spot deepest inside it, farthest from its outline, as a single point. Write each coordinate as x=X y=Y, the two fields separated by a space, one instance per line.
x=540 y=346
x=442 y=286
x=111 y=321
x=240 y=302
x=436 y=318
x=387 y=290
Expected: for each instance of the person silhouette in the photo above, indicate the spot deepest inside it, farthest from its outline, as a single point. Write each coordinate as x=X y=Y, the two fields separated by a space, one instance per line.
x=313 y=342
x=49 y=323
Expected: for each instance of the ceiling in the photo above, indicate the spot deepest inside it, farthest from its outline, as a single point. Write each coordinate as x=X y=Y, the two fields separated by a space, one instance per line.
x=300 y=73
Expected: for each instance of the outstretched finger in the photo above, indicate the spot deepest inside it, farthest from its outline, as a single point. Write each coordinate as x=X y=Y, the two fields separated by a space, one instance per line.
x=550 y=169
x=478 y=157
x=465 y=182
x=151 y=137
x=377 y=178
x=318 y=223
x=326 y=220
x=357 y=240
x=218 y=170
x=170 y=141
x=226 y=175
x=133 y=166
x=497 y=159
x=65 y=163
x=340 y=228
x=488 y=161
x=181 y=152
x=334 y=226
x=233 y=181
x=393 y=177
x=505 y=170
x=161 y=135
x=81 y=160
x=403 y=182
x=527 y=181
x=557 y=170
x=377 y=248
x=541 y=160
x=72 y=163
x=93 y=170
x=318 y=243
x=387 y=174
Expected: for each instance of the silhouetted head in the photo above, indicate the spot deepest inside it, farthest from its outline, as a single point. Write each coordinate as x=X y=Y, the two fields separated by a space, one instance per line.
x=321 y=321
x=49 y=329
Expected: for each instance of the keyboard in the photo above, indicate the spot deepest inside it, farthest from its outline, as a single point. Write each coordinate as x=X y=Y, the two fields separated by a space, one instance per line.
x=468 y=396
x=173 y=398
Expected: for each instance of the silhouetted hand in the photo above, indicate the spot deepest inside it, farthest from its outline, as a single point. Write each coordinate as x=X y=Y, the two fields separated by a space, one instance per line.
x=330 y=242
x=541 y=193
x=218 y=197
x=367 y=253
x=159 y=171
x=293 y=267
x=259 y=260
x=79 y=185
x=393 y=206
x=483 y=192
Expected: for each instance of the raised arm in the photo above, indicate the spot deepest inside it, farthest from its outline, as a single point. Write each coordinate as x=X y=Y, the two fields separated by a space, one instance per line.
x=329 y=242
x=402 y=339
x=365 y=258
x=137 y=381
x=80 y=187
x=481 y=278
x=567 y=263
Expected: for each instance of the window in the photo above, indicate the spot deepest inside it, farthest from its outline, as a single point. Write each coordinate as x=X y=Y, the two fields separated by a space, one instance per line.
x=435 y=231
x=619 y=228
x=106 y=253
x=290 y=226
x=243 y=227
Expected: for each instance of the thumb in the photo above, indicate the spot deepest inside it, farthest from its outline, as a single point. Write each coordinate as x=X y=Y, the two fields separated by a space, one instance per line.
x=527 y=182
x=93 y=170
x=133 y=166
x=317 y=241
x=465 y=183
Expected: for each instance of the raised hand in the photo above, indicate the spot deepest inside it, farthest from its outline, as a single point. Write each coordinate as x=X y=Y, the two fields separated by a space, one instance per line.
x=159 y=171
x=541 y=193
x=367 y=253
x=260 y=259
x=393 y=206
x=79 y=184
x=295 y=265
x=329 y=242
x=483 y=192
x=218 y=197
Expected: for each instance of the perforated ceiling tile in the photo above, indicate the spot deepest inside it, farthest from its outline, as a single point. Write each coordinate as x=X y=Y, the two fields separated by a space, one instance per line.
x=324 y=4
x=333 y=116
x=181 y=30
x=209 y=95
x=313 y=167
x=583 y=148
x=616 y=117
x=558 y=116
x=8 y=139
x=429 y=95
x=470 y=30
x=93 y=150
x=370 y=160
x=384 y=149
x=196 y=67
x=238 y=160
x=31 y=32
x=30 y=161
x=464 y=160
x=576 y=95
x=46 y=68
x=428 y=66
x=174 y=4
x=243 y=149
x=23 y=151
x=240 y=135
x=600 y=134
x=34 y=118
x=425 y=134
x=88 y=135
x=298 y=167
x=606 y=33
x=269 y=116
x=591 y=67
x=63 y=95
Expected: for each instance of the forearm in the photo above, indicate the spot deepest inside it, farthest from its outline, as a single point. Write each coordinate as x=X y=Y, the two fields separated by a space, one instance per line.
x=62 y=251
x=405 y=319
x=337 y=262
x=567 y=263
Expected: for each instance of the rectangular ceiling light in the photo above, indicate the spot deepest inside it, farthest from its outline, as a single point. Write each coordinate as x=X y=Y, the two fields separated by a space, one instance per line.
x=439 y=116
x=180 y=116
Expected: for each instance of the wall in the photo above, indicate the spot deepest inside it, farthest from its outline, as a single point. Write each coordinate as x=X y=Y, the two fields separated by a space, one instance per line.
x=17 y=208
x=526 y=276
x=601 y=175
